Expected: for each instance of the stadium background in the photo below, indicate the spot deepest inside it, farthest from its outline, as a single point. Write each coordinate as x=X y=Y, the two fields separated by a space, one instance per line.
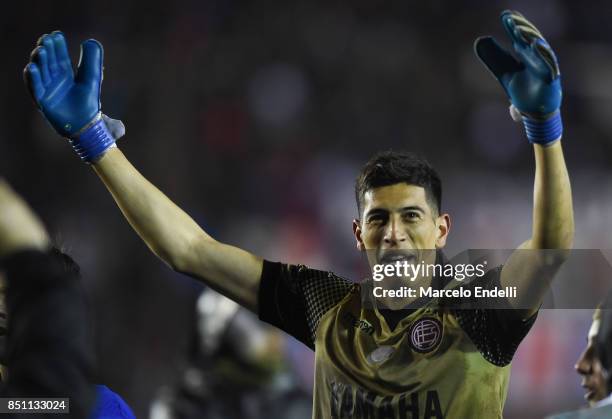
x=255 y=117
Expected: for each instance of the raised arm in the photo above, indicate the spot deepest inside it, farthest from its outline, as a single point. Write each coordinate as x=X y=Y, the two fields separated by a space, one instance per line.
x=175 y=237
x=71 y=104
x=532 y=82
x=553 y=213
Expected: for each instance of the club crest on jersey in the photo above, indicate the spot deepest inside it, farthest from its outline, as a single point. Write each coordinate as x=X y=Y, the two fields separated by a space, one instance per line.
x=425 y=334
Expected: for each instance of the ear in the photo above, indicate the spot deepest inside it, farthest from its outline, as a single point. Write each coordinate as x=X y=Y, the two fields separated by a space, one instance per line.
x=357 y=234
x=444 y=224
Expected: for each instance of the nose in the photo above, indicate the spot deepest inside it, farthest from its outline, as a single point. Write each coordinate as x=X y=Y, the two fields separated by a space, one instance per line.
x=583 y=366
x=394 y=234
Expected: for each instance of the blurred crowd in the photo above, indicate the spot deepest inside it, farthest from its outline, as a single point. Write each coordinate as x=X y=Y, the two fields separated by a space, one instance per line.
x=255 y=117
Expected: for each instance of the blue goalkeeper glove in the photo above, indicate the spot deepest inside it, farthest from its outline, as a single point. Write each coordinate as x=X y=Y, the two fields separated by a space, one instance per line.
x=71 y=104
x=532 y=81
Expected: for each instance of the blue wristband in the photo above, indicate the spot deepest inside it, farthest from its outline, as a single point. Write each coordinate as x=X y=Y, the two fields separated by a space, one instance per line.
x=544 y=132
x=93 y=141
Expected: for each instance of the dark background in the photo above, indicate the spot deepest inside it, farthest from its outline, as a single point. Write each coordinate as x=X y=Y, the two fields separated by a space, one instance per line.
x=255 y=118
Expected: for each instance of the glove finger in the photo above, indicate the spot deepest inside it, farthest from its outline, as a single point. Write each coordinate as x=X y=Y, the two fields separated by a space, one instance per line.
x=39 y=57
x=48 y=43
x=33 y=81
x=542 y=50
x=90 y=63
x=497 y=60
x=520 y=20
x=528 y=33
x=510 y=27
x=61 y=50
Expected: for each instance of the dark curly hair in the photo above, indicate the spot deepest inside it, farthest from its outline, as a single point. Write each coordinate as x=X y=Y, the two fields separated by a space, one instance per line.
x=391 y=167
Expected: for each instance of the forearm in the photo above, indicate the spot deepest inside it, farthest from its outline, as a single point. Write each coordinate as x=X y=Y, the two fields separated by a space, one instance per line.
x=553 y=215
x=175 y=237
x=166 y=229
x=20 y=228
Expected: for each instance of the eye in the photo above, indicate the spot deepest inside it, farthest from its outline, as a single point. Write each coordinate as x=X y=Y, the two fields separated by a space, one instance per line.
x=412 y=215
x=376 y=219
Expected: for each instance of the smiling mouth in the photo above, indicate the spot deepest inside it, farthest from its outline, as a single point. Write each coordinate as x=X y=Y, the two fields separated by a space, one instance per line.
x=392 y=256
x=589 y=394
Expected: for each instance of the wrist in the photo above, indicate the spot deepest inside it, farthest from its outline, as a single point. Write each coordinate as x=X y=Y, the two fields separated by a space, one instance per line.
x=543 y=131
x=93 y=140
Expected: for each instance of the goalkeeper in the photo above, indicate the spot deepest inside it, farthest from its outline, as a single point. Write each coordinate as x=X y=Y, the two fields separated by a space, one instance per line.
x=428 y=362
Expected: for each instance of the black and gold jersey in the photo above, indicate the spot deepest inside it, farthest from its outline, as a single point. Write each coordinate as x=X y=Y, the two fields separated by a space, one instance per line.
x=434 y=362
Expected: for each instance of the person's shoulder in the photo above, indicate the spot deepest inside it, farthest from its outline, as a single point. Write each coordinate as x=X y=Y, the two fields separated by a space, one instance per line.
x=306 y=276
x=306 y=271
x=490 y=278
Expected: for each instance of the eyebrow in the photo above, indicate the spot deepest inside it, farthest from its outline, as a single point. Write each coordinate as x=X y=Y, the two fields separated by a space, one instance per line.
x=375 y=211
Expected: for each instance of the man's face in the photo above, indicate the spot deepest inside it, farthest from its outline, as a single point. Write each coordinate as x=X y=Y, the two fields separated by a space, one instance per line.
x=589 y=367
x=399 y=218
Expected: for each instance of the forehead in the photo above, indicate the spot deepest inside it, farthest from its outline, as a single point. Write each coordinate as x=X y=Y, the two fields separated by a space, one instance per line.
x=396 y=196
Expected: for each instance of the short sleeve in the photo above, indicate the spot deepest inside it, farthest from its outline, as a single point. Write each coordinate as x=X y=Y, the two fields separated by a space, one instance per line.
x=498 y=332
x=295 y=297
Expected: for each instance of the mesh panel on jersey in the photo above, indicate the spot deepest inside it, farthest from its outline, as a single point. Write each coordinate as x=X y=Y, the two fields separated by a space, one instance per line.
x=322 y=291
x=485 y=326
